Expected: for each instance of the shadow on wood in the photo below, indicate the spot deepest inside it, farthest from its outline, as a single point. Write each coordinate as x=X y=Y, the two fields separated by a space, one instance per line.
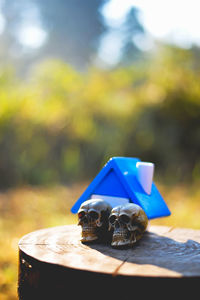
x=182 y=258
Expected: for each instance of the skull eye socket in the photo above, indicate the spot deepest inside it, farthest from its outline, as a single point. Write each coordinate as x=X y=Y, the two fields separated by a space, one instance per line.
x=93 y=215
x=81 y=214
x=112 y=219
x=124 y=219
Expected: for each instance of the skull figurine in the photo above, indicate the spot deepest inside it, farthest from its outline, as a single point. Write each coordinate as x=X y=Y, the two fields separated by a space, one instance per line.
x=93 y=217
x=127 y=223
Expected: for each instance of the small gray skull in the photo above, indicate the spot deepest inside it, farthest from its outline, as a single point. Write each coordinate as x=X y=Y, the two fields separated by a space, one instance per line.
x=93 y=217
x=127 y=223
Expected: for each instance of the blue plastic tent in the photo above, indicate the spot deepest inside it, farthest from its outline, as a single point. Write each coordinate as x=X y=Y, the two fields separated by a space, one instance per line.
x=118 y=178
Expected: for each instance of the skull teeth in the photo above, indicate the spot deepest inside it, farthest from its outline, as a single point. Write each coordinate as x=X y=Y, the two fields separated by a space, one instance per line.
x=121 y=237
x=120 y=233
x=120 y=243
x=88 y=229
x=88 y=234
x=88 y=238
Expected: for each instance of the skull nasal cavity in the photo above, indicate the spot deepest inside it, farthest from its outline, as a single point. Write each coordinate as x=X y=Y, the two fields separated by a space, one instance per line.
x=117 y=225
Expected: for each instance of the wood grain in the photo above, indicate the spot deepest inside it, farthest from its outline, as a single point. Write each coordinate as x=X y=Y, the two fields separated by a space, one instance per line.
x=53 y=260
x=163 y=251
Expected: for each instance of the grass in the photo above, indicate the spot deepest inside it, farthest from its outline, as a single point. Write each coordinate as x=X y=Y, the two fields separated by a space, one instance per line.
x=26 y=209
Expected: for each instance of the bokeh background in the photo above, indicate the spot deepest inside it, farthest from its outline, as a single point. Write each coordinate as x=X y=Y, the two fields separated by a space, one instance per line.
x=80 y=82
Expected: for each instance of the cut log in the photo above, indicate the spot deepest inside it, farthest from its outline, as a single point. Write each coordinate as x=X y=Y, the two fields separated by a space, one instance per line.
x=54 y=264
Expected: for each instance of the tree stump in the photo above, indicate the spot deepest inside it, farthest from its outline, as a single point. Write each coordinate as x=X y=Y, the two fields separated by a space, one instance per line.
x=54 y=264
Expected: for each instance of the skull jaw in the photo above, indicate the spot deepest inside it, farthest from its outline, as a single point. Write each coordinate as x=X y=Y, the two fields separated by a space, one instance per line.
x=89 y=234
x=86 y=238
x=123 y=239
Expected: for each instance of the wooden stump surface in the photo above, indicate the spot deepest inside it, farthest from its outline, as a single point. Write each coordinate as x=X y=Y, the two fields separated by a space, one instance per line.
x=162 y=252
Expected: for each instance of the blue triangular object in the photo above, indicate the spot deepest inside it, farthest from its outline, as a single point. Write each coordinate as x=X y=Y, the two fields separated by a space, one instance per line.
x=118 y=178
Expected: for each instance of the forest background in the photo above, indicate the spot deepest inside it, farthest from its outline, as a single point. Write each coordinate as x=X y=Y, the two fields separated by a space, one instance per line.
x=64 y=111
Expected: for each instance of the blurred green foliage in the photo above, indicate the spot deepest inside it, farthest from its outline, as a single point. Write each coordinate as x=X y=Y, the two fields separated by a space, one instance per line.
x=59 y=125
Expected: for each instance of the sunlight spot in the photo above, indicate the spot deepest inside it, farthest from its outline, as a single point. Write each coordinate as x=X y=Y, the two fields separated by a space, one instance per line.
x=32 y=36
x=175 y=21
x=110 y=49
x=115 y=11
